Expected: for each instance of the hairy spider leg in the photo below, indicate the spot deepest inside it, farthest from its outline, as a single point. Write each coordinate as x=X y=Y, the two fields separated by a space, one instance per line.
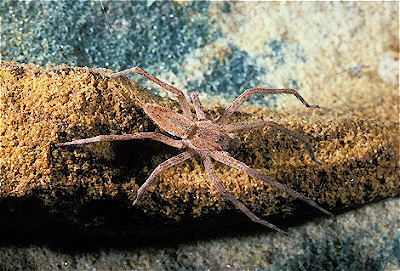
x=260 y=123
x=225 y=158
x=221 y=189
x=247 y=93
x=181 y=97
x=160 y=168
x=144 y=135
x=198 y=106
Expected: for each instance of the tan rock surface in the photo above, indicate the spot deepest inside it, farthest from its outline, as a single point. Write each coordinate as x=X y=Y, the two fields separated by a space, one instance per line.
x=43 y=106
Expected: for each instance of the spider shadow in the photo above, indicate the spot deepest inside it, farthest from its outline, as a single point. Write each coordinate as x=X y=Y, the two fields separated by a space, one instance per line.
x=60 y=235
x=132 y=156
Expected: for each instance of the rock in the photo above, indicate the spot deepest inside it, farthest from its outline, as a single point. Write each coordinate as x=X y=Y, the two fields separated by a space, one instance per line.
x=88 y=190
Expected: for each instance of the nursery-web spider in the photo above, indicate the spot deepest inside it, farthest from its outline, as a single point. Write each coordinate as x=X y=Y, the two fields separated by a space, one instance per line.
x=208 y=139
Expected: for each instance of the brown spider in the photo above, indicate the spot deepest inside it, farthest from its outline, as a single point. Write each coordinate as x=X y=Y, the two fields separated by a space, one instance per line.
x=206 y=138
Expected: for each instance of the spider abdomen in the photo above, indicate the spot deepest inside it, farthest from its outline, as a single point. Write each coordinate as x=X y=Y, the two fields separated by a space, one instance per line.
x=169 y=120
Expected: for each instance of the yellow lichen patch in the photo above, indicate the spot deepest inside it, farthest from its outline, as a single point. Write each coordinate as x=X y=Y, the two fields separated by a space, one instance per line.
x=40 y=106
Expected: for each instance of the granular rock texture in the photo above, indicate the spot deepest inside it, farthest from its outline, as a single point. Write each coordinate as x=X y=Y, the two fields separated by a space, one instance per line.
x=90 y=188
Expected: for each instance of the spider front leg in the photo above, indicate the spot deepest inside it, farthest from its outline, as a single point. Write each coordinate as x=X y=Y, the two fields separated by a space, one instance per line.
x=145 y=135
x=221 y=189
x=247 y=93
x=260 y=123
x=181 y=97
x=198 y=106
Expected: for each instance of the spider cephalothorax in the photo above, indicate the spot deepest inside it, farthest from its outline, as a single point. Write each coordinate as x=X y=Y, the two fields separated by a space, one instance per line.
x=209 y=139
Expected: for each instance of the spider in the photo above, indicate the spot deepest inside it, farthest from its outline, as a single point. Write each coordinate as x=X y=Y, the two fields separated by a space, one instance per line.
x=209 y=139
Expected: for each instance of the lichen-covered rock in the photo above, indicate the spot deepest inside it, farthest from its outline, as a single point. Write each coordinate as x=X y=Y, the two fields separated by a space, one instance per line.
x=91 y=187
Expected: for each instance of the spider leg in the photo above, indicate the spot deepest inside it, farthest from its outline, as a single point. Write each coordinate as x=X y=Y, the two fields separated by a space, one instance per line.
x=145 y=135
x=259 y=123
x=181 y=97
x=247 y=93
x=225 y=158
x=160 y=168
x=198 y=106
x=221 y=189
